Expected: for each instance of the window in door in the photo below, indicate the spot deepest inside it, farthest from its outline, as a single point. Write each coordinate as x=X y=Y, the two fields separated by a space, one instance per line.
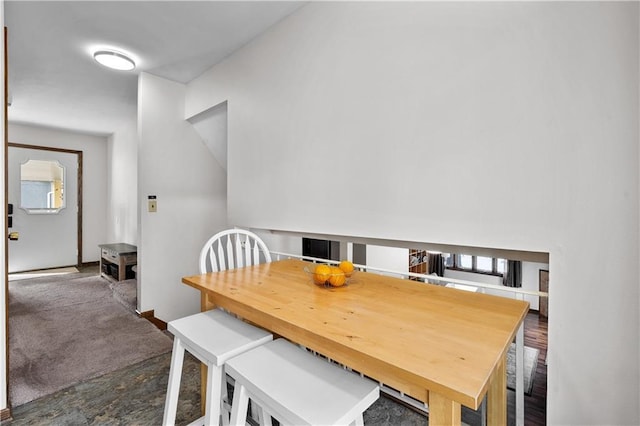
x=42 y=186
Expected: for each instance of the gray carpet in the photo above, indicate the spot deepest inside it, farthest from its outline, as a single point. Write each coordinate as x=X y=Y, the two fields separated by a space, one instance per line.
x=126 y=292
x=64 y=330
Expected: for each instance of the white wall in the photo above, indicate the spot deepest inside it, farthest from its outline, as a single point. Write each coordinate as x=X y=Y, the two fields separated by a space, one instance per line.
x=535 y=100
x=391 y=258
x=122 y=191
x=174 y=165
x=211 y=125
x=329 y=108
x=280 y=243
x=94 y=178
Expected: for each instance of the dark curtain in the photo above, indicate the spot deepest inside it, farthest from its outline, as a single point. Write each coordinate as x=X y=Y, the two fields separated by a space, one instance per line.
x=513 y=275
x=436 y=264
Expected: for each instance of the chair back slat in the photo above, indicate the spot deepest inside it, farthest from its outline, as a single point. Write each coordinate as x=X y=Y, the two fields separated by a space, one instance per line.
x=247 y=252
x=230 y=254
x=239 y=259
x=233 y=248
x=256 y=253
x=212 y=259
x=221 y=257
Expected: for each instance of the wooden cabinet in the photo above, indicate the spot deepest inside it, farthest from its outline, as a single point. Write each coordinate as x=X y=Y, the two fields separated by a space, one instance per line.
x=417 y=262
x=116 y=260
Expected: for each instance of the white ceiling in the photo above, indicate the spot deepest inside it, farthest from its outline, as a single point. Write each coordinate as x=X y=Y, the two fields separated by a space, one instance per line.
x=55 y=82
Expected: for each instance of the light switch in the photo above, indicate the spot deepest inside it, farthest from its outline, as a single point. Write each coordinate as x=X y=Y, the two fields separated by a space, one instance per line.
x=153 y=206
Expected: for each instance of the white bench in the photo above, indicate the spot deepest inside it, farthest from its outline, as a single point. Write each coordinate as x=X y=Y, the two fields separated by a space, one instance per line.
x=297 y=388
x=213 y=337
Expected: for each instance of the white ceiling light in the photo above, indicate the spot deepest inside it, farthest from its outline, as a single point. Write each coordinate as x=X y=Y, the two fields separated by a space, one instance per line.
x=114 y=60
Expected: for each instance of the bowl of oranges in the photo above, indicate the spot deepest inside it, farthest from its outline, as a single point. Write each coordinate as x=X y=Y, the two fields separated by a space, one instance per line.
x=331 y=276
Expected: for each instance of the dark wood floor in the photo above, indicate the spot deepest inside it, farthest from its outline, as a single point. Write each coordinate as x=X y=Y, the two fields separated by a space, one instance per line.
x=535 y=336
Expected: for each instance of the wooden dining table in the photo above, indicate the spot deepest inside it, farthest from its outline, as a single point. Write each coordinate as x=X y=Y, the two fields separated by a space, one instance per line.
x=443 y=346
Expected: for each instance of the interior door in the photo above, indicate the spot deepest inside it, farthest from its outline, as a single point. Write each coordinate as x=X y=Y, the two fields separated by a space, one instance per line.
x=47 y=235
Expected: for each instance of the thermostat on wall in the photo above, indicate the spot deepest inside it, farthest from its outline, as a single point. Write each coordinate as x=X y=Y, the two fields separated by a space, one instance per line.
x=153 y=204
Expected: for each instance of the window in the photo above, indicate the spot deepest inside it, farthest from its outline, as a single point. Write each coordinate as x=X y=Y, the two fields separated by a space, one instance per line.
x=465 y=261
x=42 y=186
x=484 y=264
x=478 y=264
x=36 y=194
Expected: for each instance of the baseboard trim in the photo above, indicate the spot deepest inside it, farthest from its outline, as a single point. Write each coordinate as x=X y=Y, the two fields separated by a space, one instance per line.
x=149 y=316
x=5 y=414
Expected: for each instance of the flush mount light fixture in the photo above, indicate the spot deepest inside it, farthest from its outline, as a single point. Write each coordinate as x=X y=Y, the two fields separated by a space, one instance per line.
x=114 y=60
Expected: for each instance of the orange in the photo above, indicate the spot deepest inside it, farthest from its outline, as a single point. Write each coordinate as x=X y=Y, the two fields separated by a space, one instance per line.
x=337 y=277
x=346 y=267
x=321 y=274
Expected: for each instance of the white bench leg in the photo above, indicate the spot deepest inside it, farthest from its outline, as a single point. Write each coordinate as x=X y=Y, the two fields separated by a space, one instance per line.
x=173 y=387
x=225 y=409
x=239 y=406
x=214 y=393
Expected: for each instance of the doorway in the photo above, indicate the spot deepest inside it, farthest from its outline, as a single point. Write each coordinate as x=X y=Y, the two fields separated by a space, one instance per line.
x=44 y=190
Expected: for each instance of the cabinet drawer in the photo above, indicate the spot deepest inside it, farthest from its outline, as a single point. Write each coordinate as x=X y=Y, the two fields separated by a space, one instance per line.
x=107 y=254
x=129 y=259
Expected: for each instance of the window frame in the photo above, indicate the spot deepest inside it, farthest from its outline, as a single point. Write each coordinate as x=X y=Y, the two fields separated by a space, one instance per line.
x=456 y=265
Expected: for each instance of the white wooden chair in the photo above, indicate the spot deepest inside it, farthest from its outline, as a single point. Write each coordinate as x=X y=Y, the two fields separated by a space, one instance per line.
x=240 y=248
x=215 y=336
x=297 y=388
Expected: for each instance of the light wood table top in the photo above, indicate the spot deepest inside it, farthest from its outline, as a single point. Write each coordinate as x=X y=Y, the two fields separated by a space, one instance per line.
x=442 y=346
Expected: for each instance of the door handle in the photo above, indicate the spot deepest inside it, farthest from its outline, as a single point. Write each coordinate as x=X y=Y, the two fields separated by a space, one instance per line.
x=13 y=236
